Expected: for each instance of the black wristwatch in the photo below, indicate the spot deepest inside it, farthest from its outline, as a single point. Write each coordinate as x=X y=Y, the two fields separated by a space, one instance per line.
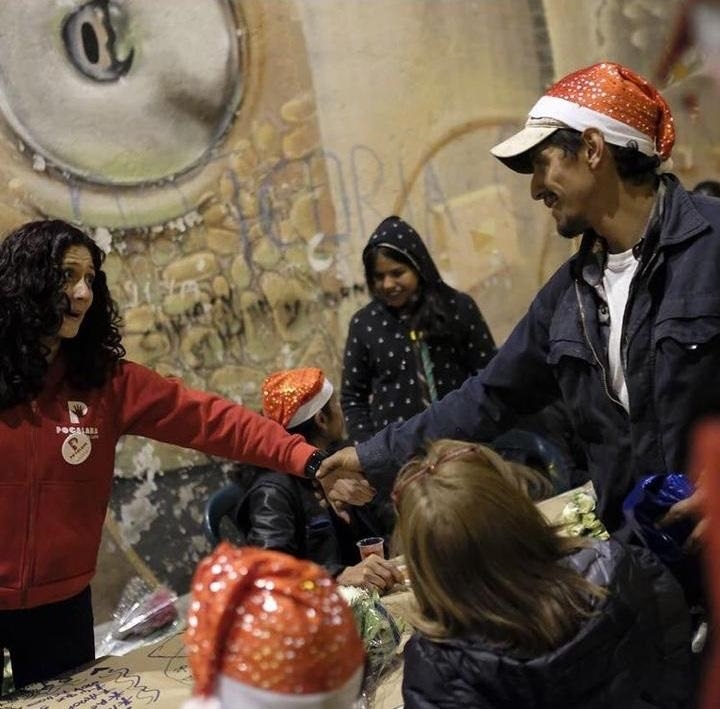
x=313 y=464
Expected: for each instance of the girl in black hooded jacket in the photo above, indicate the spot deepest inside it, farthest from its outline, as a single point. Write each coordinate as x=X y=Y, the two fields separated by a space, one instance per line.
x=417 y=340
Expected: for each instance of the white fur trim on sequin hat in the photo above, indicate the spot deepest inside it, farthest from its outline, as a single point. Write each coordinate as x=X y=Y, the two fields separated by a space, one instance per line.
x=566 y=114
x=307 y=410
x=231 y=693
x=607 y=96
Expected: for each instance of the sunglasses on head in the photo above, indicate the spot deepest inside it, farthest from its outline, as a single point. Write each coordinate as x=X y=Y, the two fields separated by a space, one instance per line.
x=430 y=468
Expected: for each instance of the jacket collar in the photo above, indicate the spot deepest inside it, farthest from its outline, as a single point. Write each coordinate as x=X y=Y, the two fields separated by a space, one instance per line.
x=673 y=220
x=680 y=220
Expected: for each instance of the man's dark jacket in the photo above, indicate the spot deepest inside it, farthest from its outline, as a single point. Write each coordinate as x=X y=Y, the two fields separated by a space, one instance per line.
x=633 y=653
x=670 y=349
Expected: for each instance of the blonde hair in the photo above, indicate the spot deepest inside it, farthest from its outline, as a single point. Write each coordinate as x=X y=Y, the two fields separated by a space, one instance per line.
x=481 y=558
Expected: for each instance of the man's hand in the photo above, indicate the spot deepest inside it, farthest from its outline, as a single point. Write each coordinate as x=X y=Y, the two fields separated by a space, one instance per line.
x=693 y=506
x=343 y=482
x=372 y=573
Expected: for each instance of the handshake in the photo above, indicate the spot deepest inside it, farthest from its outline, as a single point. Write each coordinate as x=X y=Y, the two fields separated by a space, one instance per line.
x=342 y=482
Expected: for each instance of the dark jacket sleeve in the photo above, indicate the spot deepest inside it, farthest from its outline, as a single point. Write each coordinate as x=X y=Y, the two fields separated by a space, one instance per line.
x=271 y=521
x=480 y=345
x=356 y=385
x=517 y=380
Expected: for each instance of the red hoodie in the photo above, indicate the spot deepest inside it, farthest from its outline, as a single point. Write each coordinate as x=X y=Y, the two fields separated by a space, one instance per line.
x=57 y=456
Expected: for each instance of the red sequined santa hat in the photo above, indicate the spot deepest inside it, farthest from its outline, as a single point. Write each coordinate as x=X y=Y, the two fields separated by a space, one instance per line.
x=268 y=630
x=294 y=396
x=608 y=96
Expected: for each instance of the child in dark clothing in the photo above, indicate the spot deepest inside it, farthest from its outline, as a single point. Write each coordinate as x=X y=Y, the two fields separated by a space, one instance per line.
x=286 y=515
x=512 y=614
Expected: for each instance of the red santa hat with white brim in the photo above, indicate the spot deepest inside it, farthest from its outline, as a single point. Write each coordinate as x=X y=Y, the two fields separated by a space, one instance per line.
x=268 y=631
x=610 y=97
x=293 y=396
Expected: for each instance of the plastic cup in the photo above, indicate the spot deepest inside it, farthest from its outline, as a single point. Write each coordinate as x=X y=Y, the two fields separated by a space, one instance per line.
x=371 y=545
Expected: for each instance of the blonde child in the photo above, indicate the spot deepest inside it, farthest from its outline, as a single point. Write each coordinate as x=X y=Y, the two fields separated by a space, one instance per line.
x=510 y=613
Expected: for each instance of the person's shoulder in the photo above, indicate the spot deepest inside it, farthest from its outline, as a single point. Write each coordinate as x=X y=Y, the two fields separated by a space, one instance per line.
x=273 y=478
x=563 y=274
x=436 y=657
x=130 y=367
x=557 y=285
x=616 y=565
x=373 y=309
x=369 y=318
x=466 y=307
x=461 y=300
x=708 y=207
x=685 y=209
x=277 y=488
x=598 y=560
x=457 y=667
x=126 y=370
x=130 y=373
x=369 y=311
x=447 y=650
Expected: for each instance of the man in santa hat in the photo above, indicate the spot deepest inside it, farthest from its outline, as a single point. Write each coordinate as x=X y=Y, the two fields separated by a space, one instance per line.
x=285 y=515
x=268 y=631
x=628 y=329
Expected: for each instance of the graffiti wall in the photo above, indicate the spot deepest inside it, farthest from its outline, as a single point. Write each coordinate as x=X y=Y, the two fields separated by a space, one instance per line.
x=233 y=156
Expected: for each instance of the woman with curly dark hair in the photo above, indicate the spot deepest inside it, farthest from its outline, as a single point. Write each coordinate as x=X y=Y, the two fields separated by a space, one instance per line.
x=66 y=397
x=33 y=319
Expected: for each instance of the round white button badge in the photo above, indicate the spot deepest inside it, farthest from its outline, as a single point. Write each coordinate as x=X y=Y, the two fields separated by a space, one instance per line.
x=76 y=448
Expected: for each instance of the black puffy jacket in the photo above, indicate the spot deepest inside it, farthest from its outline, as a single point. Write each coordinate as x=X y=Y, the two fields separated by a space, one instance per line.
x=634 y=654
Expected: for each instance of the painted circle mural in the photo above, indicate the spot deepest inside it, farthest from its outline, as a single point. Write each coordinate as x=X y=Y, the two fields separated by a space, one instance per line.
x=112 y=96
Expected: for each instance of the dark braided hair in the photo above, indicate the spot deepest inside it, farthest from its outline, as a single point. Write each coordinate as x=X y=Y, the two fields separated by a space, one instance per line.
x=32 y=305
